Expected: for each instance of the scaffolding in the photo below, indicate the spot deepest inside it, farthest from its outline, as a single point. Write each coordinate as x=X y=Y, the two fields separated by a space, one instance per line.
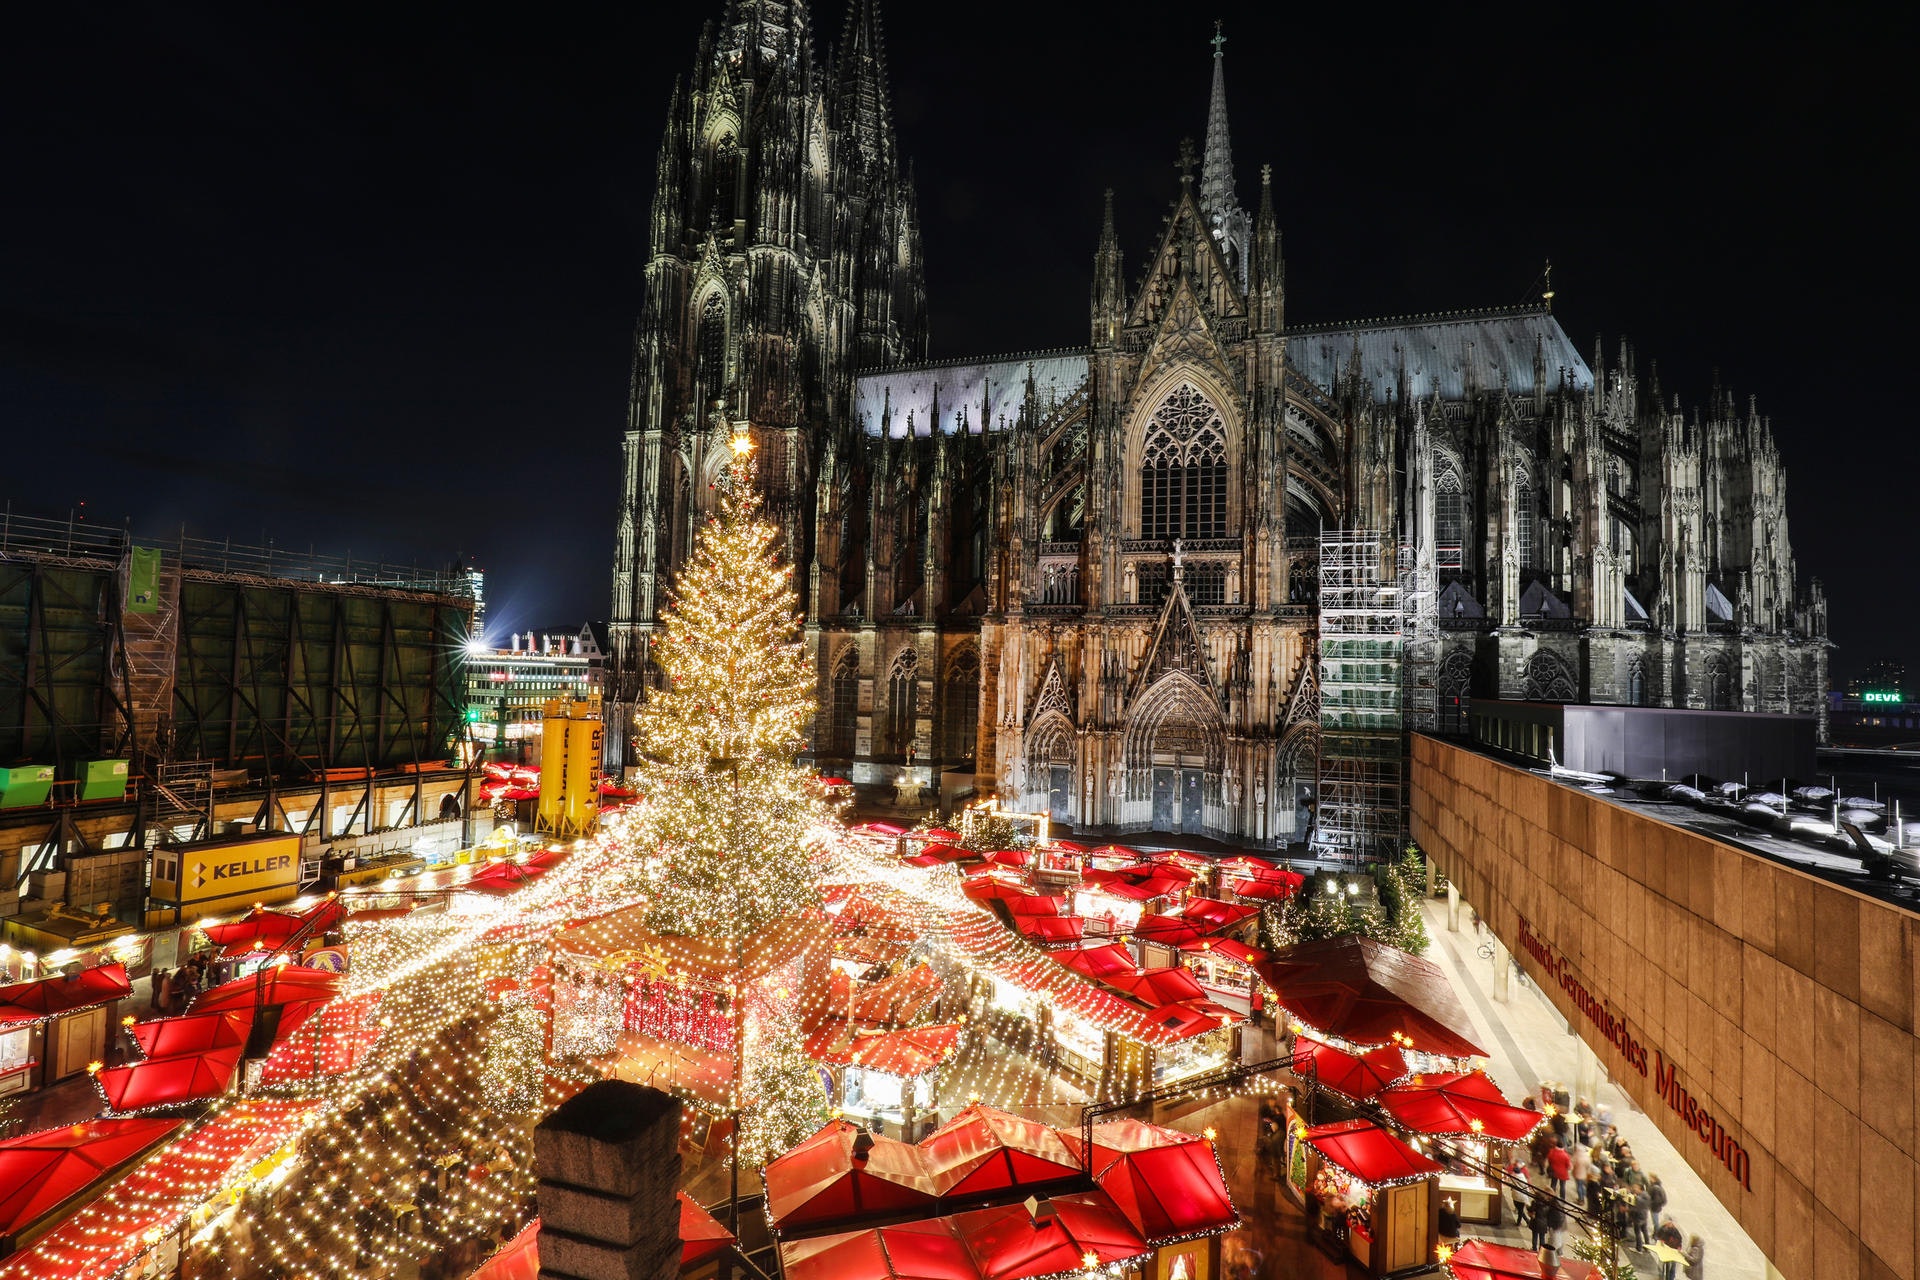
x=1362 y=810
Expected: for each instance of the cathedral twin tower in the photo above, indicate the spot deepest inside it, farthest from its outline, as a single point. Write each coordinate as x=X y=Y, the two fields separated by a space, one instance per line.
x=1084 y=579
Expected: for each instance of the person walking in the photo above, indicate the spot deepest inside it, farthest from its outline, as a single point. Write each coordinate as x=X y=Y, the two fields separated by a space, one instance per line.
x=1559 y=1168
x=1658 y=1195
x=1556 y=1236
x=1669 y=1235
x=1537 y=1221
x=1696 y=1259
x=1642 y=1215
x=1579 y=1165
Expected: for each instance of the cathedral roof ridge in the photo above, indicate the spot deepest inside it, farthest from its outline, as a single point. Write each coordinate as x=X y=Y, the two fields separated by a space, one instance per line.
x=958 y=362
x=1462 y=315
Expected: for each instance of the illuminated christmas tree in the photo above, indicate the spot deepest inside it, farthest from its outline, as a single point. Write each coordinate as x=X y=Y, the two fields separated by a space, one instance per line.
x=512 y=1072
x=725 y=833
x=786 y=1100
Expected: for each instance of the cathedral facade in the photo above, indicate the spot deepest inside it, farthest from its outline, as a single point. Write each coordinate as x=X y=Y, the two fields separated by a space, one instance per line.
x=1085 y=579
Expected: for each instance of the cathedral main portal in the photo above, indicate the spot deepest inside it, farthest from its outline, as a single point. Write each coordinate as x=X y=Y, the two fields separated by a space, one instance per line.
x=1179 y=755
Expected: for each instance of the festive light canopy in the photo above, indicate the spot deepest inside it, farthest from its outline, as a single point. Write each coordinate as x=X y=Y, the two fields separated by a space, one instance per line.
x=906 y=1053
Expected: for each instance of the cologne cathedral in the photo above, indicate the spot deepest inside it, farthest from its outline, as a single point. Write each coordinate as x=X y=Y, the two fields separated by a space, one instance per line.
x=1085 y=580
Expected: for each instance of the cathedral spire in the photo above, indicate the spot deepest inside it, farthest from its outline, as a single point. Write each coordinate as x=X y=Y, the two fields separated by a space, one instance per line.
x=861 y=75
x=1216 y=178
x=1230 y=223
x=1109 y=282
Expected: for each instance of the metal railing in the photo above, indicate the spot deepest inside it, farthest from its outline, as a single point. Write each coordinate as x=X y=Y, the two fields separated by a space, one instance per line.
x=27 y=537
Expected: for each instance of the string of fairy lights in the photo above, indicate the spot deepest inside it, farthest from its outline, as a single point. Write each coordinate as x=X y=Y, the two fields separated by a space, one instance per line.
x=723 y=873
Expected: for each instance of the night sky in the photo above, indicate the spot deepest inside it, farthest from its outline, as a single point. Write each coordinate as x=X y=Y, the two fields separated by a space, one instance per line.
x=365 y=278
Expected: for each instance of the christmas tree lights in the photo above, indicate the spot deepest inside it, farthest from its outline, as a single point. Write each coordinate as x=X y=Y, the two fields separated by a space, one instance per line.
x=727 y=831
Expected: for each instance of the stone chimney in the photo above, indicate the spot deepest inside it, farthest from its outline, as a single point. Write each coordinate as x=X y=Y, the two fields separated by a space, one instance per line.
x=608 y=1161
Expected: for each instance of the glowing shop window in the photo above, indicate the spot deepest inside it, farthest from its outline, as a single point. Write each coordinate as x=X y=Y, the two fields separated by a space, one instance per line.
x=14 y=1047
x=1012 y=999
x=1190 y=1057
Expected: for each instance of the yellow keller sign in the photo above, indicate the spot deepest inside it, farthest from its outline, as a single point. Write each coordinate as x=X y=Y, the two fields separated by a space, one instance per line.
x=203 y=879
x=570 y=746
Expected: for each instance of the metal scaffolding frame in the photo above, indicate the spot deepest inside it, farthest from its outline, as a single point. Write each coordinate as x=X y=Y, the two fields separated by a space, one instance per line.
x=1362 y=801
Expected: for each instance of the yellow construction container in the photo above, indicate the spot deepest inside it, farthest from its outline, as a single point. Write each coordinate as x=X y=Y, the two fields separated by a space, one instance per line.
x=571 y=736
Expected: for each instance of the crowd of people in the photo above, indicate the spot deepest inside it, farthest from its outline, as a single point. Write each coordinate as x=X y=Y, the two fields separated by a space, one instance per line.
x=1578 y=1156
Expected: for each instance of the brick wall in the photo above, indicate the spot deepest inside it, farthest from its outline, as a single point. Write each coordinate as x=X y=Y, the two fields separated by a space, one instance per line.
x=1787 y=1005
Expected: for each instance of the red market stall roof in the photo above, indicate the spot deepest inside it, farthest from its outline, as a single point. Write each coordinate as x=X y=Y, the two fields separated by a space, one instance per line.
x=1243 y=864
x=170 y=1082
x=1359 y=1078
x=518 y=1258
x=1168 y=984
x=334 y=1042
x=1226 y=948
x=1459 y=1104
x=1169 y=930
x=278 y=984
x=984 y=1151
x=1369 y=1153
x=1480 y=1260
x=1363 y=991
x=946 y=852
x=907 y=1053
x=895 y=1000
x=1069 y=846
x=49 y=997
x=984 y=886
x=1119 y=851
x=193 y=1032
x=255 y=931
x=98 y=1240
x=843 y=1172
x=1010 y=857
x=701 y=1235
x=40 y=1171
x=938 y=835
x=1191 y=1018
x=1211 y=913
x=1167 y=1183
x=1047 y=930
x=878 y=829
x=503 y=877
x=1104 y=962
x=985 y=939
x=1004 y=1243
x=1265 y=890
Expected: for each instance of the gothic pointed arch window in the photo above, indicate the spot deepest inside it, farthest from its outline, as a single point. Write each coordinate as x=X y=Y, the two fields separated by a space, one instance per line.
x=1449 y=521
x=726 y=180
x=1550 y=679
x=902 y=681
x=1524 y=519
x=1636 y=682
x=711 y=348
x=1183 y=469
x=1451 y=683
x=844 y=717
x=960 y=704
x=1719 y=684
